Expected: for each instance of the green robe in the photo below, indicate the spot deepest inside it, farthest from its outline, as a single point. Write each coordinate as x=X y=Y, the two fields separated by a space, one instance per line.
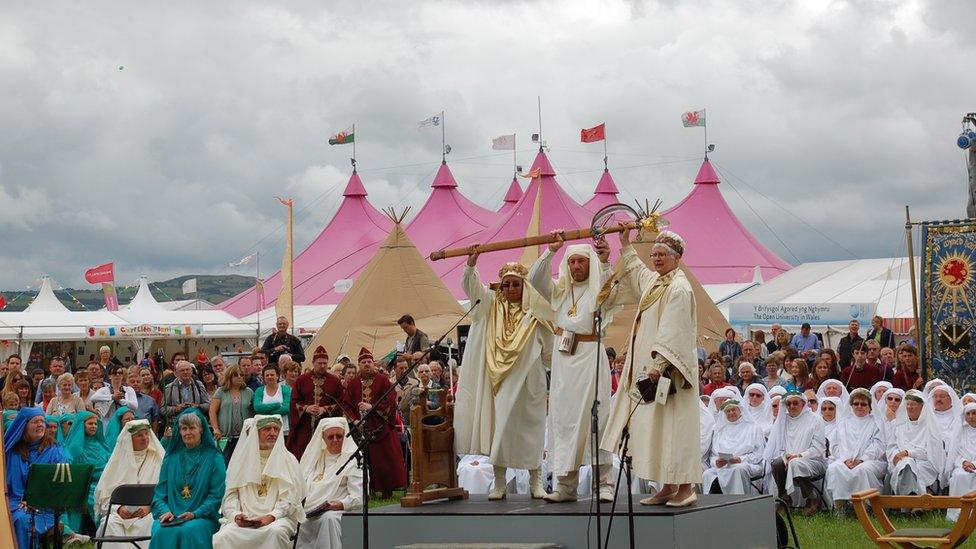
x=201 y=470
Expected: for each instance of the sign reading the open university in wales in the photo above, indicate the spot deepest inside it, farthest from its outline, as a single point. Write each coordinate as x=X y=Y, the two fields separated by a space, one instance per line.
x=143 y=330
x=948 y=291
x=823 y=314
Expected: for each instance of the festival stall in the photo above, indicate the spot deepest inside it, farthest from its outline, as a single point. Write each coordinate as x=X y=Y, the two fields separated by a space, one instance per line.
x=828 y=295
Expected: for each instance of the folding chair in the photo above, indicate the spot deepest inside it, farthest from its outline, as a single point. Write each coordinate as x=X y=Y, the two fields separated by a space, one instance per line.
x=891 y=537
x=59 y=488
x=132 y=495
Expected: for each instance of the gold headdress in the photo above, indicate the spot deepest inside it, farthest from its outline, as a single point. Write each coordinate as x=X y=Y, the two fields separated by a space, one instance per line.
x=513 y=269
x=671 y=240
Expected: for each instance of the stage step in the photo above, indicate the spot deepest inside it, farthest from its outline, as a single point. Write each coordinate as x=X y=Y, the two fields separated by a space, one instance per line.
x=481 y=546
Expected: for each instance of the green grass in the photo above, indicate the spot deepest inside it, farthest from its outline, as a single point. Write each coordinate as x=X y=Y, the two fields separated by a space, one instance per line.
x=826 y=530
x=376 y=501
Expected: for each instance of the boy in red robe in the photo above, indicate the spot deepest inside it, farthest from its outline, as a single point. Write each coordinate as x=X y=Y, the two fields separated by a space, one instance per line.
x=387 y=471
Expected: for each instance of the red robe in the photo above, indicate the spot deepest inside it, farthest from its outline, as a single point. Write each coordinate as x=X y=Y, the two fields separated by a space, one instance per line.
x=387 y=469
x=311 y=389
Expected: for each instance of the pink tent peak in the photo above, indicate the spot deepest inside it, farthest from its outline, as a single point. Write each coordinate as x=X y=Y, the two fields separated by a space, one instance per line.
x=447 y=216
x=719 y=249
x=544 y=207
x=604 y=194
x=513 y=195
x=344 y=246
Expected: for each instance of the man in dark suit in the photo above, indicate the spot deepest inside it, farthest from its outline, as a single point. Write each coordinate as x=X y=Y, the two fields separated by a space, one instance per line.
x=879 y=333
x=846 y=346
x=281 y=342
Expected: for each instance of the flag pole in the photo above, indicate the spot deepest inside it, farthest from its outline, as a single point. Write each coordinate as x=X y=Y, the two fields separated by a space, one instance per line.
x=258 y=294
x=354 y=146
x=539 y=100
x=514 y=156
x=911 y=275
x=443 y=139
x=605 y=166
x=705 y=125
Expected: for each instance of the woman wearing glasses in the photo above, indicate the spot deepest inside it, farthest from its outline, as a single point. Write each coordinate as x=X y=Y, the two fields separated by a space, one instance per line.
x=857 y=454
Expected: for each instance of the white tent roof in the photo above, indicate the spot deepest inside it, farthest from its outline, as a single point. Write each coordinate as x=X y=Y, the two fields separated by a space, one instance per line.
x=46 y=301
x=884 y=281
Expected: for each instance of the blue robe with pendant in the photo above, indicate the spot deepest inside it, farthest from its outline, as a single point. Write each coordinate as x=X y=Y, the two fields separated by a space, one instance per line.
x=191 y=479
x=17 y=468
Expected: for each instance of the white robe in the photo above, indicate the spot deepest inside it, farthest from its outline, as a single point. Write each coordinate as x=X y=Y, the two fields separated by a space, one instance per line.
x=742 y=439
x=802 y=435
x=127 y=467
x=261 y=483
x=856 y=438
x=323 y=485
x=509 y=426
x=662 y=440
x=962 y=448
x=573 y=378
x=922 y=439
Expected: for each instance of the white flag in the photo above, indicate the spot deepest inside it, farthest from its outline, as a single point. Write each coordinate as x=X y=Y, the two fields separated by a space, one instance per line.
x=243 y=261
x=503 y=143
x=190 y=286
x=343 y=285
x=432 y=121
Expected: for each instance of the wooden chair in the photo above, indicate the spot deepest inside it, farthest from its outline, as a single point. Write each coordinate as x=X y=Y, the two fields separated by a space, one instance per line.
x=433 y=459
x=914 y=537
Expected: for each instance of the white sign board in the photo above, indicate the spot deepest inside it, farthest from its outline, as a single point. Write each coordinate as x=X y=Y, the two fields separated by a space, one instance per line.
x=822 y=314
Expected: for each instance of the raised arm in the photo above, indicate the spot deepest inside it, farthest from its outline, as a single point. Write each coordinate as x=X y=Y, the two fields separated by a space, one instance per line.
x=540 y=275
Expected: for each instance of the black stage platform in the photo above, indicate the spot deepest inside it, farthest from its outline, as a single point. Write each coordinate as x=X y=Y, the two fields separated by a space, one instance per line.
x=715 y=521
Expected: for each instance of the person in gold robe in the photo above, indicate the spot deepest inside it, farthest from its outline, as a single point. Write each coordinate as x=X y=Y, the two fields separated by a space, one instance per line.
x=664 y=438
x=501 y=399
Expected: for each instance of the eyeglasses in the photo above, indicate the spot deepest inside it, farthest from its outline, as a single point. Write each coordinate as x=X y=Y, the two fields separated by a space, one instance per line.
x=334 y=437
x=659 y=255
x=859 y=404
x=893 y=399
x=755 y=395
x=812 y=401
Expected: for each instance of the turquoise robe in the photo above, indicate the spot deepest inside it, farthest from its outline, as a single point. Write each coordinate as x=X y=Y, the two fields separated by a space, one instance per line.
x=202 y=471
x=83 y=449
x=115 y=427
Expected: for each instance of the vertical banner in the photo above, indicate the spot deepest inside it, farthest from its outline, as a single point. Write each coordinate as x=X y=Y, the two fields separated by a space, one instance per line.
x=111 y=298
x=285 y=304
x=105 y=275
x=948 y=299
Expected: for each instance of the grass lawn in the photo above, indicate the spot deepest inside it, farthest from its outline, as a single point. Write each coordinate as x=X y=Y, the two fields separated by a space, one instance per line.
x=825 y=530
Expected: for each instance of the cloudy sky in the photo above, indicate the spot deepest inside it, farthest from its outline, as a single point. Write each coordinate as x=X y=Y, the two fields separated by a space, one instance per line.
x=157 y=135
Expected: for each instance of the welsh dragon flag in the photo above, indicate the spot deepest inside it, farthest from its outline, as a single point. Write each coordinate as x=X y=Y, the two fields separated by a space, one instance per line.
x=347 y=135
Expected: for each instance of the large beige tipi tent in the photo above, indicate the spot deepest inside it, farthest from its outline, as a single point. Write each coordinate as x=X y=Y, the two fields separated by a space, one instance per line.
x=397 y=281
x=711 y=322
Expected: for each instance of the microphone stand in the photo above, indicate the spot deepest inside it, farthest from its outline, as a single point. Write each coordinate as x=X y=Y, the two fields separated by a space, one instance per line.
x=364 y=436
x=595 y=414
x=625 y=464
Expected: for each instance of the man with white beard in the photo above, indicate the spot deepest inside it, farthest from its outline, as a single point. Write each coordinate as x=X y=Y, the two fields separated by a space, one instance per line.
x=137 y=458
x=328 y=493
x=501 y=399
x=573 y=299
x=263 y=502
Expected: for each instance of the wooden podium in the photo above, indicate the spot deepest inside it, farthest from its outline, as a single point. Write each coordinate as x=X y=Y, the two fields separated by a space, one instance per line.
x=432 y=457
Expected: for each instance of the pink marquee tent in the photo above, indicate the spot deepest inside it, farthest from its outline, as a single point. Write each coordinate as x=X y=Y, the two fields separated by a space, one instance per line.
x=447 y=216
x=340 y=251
x=544 y=207
x=605 y=193
x=719 y=249
x=512 y=197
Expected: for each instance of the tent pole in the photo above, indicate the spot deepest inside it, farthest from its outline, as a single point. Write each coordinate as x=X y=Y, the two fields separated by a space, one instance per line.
x=911 y=274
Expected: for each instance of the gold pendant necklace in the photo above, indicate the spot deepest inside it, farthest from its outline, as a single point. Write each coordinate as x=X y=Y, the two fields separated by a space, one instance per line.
x=263 y=489
x=185 y=492
x=572 y=308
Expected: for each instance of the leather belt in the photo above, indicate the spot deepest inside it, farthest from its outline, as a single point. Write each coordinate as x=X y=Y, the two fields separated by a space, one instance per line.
x=587 y=338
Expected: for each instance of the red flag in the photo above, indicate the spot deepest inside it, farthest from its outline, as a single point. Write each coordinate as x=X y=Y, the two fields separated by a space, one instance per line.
x=596 y=133
x=101 y=274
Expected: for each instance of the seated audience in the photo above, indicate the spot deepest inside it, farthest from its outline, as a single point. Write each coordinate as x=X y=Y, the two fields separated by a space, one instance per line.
x=136 y=459
x=857 y=454
x=329 y=494
x=736 y=452
x=795 y=451
x=262 y=504
x=186 y=502
x=914 y=447
x=961 y=464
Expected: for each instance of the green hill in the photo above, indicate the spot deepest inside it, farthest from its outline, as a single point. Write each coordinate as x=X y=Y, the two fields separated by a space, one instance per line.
x=213 y=288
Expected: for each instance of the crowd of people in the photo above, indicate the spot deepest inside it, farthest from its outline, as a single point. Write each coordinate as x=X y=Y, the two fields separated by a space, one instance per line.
x=238 y=453
x=812 y=424
x=251 y=451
